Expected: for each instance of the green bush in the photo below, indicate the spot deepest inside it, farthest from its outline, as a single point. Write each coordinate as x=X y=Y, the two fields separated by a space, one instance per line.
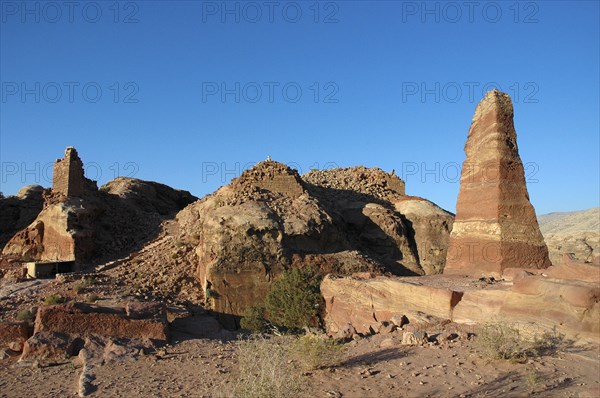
x=25 y=315
x=253 y=319
x=295 y=300
x=54 y=299
x=82 y=284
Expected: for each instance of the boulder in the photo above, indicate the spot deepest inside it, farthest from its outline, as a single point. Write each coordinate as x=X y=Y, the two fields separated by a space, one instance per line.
x=429 y=227
x=573 y=269
x=61 y=232
x=79 y=319
x=48 y=346
x=17 y=212
x=570 y=307
x=495 y=226
x=362 y=303
x=13 y=333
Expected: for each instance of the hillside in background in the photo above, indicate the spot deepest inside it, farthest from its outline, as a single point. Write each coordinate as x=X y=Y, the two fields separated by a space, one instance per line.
x=575 y=232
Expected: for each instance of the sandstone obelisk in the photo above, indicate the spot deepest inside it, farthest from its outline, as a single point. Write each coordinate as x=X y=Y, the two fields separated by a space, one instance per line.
x=495 y=226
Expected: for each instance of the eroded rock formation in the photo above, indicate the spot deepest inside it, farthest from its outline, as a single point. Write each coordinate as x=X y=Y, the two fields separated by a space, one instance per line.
x=60 y=328
x=80 y=222
x=495 y=226
x=429 y=226
x=536 y=302
x=270 y=219
x=17 y=212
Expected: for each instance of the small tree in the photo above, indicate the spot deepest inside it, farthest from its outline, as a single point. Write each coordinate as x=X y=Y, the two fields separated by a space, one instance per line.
x=253 y=319
x=295 y=300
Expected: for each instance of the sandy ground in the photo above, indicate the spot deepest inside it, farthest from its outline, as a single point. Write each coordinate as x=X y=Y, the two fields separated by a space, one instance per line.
x=201 y=361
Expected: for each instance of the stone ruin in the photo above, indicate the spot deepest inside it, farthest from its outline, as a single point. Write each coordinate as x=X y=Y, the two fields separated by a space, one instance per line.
x=67 y=177
x=54 y=242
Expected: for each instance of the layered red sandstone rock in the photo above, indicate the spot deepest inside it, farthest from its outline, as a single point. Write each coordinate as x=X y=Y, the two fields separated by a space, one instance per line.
x=495 y=226
x=538 y=303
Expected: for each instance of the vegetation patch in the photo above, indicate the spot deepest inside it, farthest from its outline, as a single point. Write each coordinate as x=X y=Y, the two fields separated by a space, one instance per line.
x=508 y=342
x=295 y=300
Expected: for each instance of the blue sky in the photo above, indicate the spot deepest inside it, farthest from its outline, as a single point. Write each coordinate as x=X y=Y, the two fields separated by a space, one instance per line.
x=190 y=93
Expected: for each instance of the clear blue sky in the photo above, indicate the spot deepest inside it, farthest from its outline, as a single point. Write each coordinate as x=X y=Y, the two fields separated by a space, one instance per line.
x=383 y=84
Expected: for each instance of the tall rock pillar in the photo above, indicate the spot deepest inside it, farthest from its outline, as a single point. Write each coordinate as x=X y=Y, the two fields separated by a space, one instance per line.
x=495 y=226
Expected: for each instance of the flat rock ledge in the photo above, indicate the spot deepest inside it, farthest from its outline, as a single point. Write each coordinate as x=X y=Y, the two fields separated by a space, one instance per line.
x=525 y=297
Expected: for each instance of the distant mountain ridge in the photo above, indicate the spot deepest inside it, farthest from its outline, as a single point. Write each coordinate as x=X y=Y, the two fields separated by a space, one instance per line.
x=575 y=232
x=571 y=221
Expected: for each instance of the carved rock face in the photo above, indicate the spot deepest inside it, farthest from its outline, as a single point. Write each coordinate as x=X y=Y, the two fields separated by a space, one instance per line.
x=495 y=226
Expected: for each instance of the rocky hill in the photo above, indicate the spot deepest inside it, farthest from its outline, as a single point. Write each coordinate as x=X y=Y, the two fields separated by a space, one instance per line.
x=576 y=232
x=17 y=212
x=344 y=220
x=93 y=226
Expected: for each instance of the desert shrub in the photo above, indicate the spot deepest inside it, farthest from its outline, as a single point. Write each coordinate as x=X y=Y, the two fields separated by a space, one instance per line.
x=532 y=379
x=83 y=284
x=92 y=298
x=25 y=315
x=315 y=352
x=253 y=319
x=54 y=299
x=179 y=243
x=502 y=341
x=295 y=300
x=265 y=370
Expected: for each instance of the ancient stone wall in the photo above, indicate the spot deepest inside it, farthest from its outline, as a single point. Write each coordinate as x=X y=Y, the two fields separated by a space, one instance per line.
x=67 y=177
x=283 y=184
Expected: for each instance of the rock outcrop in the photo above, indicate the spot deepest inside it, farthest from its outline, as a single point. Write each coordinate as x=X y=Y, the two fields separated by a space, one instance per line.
x=429 y=227
x=60 y=330
x=13 y=334
x=571 y=307
x=572 y=232
x=495 y=226
x=80 y=222
x=149 y=196
x=567 y=306
x=63 y=231
x=270 y=219
x=362 y=302
x=17 y=212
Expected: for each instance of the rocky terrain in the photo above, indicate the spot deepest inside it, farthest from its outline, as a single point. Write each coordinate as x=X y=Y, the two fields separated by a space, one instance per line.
x=417 y=302
x=17 y=212
x=94 y=226
x=572 y=232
